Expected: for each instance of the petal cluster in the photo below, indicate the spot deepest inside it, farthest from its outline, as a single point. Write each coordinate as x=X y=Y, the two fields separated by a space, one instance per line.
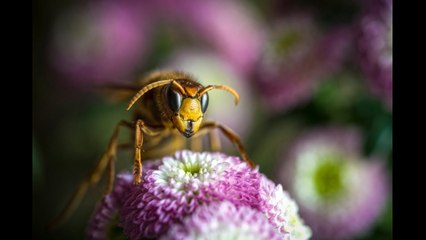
x=282 y=211
x=176 y=187
x=223 y=220
x=106 y=212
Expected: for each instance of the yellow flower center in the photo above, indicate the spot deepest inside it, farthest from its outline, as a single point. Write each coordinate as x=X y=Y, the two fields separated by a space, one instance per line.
x=328 y=179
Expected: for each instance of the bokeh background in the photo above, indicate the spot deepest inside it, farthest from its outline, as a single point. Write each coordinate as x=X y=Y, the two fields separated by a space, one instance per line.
x=306 y=69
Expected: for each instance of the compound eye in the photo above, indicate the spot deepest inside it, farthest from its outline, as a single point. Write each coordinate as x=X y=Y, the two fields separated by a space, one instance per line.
x=174 y=99
x=204 y=102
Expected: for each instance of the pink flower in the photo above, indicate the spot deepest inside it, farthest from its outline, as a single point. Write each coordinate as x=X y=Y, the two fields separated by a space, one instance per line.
x=340 y=194
x=296 y=58
x=98 y=42
x=175 y=187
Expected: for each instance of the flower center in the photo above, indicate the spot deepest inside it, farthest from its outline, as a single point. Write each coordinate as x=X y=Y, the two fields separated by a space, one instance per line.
x=328 y=176
x=188 y=171
x=192 y=169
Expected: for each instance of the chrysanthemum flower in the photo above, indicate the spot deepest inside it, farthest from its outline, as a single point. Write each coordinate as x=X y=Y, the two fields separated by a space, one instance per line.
x=296 y=57
x=339 y=194
x=174 y=187
x=223 y=221
x=98 y=42
x=375 y=48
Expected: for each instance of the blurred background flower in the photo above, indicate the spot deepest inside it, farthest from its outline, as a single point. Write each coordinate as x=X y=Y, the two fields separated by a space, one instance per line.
x=375 y=48
x=296 y=57
x=340 y=193
x=298 y=65
x=239 y=43
x=98 y=42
